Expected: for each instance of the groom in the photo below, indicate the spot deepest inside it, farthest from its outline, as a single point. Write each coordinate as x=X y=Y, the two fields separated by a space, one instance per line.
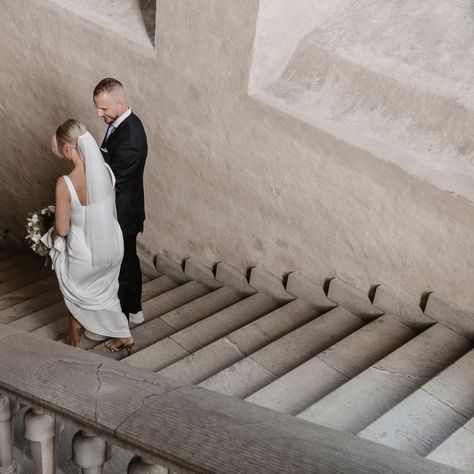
x=125 y=150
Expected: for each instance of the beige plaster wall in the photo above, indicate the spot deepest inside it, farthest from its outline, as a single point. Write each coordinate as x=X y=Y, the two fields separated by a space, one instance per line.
x=228 y=178
x=397 y=82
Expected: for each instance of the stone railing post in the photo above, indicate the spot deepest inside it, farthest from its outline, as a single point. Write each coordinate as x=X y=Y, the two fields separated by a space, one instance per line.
x=89 y=452
x=40 y=430
x=141 y=465
x=7 y=464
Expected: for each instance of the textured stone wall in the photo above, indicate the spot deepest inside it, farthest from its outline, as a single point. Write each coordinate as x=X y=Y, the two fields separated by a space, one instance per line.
x=228 y=177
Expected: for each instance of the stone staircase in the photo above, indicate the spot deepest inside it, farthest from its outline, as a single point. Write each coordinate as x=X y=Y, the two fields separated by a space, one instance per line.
x=382 y=370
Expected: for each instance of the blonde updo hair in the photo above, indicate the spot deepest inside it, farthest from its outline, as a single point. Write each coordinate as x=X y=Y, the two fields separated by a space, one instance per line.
x=67 y=134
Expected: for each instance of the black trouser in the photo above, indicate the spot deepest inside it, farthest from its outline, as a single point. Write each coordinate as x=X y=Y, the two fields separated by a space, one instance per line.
x=130 y=278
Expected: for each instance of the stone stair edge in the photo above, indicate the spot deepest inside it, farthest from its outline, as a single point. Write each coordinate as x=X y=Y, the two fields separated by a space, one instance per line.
x=403 y=307
x=269 y=284
x=308 y=291
x=450 y=314
x=379 y=299
x=169 y=267
x=195 y=270
x=255 y=279
x=352 y=298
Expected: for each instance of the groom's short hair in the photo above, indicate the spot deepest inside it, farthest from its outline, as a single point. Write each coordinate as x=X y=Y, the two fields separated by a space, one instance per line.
x=107 y=85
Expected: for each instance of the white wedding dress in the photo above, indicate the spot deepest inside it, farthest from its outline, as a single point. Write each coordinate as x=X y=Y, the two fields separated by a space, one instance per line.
x=90 y=291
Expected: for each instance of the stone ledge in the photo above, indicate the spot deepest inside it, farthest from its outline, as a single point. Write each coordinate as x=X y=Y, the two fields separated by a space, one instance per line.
x=352 y=299
x=309 y=292
x=232 y=278
x=170 y=268
x=408 y=312
x=197 y=271
x=450 y=315
x=269 y=284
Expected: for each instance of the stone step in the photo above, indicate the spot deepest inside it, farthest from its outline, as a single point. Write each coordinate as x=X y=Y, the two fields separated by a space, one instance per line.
x=276 y=359
x=238 y=344
x=311 y=381
x=157 y=286
x=458 y=449
x=6 y=254
x=19 y=270
x=15 y=260
x=37 y=296
x=23 y=308
x=59 y=328
x=42 y=317
x=191 y=338
x=363 y=399
x=177 y=319
x=24 y=280
x=426 y=418
x=220 y=324
x=28 y=292
x=152 y=309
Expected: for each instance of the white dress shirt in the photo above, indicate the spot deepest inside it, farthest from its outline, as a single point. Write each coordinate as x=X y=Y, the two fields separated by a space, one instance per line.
x=113 y=126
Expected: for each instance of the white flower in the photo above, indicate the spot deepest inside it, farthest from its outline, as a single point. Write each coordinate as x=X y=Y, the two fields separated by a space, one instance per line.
x=37 y=223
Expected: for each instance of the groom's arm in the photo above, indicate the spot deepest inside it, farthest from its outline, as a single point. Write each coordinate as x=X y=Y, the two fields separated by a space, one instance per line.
x=127 y=164
x=127 y=159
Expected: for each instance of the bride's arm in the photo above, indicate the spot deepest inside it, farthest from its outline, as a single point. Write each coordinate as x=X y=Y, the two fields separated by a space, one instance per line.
x=63 y=210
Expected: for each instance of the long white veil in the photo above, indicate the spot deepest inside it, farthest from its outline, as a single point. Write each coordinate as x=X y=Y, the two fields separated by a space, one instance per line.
x=101 y=230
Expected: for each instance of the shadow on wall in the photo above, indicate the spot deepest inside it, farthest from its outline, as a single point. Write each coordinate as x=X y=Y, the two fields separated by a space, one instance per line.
x=148 y=9
x=133 y=19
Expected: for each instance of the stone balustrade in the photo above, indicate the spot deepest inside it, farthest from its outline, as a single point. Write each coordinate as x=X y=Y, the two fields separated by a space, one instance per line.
x=168 y=426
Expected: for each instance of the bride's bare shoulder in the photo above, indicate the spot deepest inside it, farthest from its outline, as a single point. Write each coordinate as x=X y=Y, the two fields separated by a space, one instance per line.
x=61 y=189
x=61 y=183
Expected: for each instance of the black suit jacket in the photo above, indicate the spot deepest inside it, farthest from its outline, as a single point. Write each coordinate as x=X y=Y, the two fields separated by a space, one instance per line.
x=125 y=151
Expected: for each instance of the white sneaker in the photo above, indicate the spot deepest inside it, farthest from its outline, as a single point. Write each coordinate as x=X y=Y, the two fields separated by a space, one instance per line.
x=136 y=318
x=94 y=337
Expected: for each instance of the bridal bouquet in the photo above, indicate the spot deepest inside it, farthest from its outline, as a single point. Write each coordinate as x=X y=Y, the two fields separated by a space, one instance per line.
x=37 y=224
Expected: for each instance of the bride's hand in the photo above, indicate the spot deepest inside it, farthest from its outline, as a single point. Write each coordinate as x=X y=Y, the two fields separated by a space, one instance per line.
x=55 y=234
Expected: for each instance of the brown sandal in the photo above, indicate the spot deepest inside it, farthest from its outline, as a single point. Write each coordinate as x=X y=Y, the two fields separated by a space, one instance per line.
x=129 y=345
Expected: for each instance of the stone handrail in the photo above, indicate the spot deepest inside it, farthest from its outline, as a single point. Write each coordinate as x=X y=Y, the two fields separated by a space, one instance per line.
x=170 y=426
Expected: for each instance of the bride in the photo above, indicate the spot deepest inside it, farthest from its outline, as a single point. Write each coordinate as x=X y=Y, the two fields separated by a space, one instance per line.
x=86 y=243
